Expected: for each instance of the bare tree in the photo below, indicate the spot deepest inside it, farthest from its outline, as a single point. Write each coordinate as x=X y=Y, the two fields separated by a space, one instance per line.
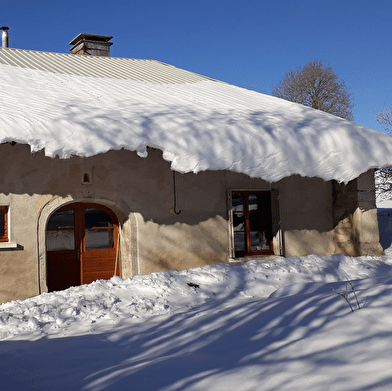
x=384 y=176
x=318 y=86
x=384 y=117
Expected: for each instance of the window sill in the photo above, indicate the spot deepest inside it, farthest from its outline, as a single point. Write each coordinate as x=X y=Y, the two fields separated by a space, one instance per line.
x=261 y=257
x=8 y=245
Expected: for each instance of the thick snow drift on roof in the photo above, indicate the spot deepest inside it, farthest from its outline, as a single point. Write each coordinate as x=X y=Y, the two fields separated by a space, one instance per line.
x=206 y=125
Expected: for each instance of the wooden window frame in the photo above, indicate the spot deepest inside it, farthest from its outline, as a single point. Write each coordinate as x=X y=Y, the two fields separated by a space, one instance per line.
x=247 y=231
x=79 y=227
x=113 y=228
x=4 y=237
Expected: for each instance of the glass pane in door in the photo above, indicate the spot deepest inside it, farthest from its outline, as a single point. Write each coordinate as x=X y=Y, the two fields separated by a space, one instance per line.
x=99 y=238
x=60 y=240
x=62 y=219
x=60 y=234
x=96 y=218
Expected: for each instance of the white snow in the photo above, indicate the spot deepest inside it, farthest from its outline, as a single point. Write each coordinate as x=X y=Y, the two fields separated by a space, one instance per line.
x=259 y=325
x=200 y=126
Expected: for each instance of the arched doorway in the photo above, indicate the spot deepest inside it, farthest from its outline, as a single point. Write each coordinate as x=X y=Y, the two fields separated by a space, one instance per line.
x=81 y=245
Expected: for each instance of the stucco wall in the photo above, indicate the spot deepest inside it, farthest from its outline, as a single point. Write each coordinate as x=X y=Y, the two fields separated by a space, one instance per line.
x=306 y=210
x=141 y=193
x=355 y=217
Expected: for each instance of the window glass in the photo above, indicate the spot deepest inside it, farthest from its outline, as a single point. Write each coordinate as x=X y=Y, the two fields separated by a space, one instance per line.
x=259 y=221
x=238 y=222
x=256 y=222
x=60 y=240
x=258 y=241
x=254 y=201
x=252 y=222
x=238 y=215
x=62 y=219
x=259 y=201
x=237 y=201
x=2 y=222
x=239 y=241
x=96 y=218
x=99 y=238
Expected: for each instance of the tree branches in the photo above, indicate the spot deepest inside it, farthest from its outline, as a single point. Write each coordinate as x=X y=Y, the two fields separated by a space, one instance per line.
x=384 y=176
x=317 y=86
x=384 y=117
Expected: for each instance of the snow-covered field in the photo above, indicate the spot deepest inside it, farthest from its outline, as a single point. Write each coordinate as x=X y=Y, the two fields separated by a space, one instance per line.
x=260 y=325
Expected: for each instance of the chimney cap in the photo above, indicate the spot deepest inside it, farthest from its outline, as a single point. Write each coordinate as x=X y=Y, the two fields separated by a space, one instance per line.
x=5 y=28
x=90 y=37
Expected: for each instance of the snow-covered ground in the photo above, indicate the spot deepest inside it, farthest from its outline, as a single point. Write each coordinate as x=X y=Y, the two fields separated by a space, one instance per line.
x=261 y=325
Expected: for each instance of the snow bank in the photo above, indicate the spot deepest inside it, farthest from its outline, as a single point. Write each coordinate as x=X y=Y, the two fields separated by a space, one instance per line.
x=275 y=325
x=206 y=125
x=77 y=308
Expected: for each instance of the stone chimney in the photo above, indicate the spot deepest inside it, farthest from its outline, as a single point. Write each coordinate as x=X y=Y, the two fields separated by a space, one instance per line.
x=91 y=45
x=4 y=37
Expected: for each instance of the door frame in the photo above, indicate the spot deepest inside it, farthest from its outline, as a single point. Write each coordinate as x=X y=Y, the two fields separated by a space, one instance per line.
x=116 y=204
x=93 y=263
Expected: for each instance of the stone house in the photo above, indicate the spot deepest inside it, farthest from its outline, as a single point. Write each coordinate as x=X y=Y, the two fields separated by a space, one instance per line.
x=117 y=166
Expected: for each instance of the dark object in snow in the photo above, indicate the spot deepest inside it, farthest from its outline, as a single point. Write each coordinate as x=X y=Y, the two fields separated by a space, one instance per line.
x=192 y=285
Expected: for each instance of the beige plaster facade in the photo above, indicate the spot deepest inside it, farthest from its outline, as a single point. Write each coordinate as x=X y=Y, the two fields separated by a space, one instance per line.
x=169 y=220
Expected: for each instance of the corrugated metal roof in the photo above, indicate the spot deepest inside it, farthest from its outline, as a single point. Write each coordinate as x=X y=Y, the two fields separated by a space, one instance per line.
x=151 y=71
x=198 y=124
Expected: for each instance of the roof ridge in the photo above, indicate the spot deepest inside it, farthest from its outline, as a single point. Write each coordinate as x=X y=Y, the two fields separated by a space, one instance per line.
x=85 y=57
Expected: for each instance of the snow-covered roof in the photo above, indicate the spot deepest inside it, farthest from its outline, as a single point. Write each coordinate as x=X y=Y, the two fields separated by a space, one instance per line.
x=77 y=105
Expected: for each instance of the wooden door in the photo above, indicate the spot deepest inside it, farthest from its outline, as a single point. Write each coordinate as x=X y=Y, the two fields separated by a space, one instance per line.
x=82 y=245
x=99 y=244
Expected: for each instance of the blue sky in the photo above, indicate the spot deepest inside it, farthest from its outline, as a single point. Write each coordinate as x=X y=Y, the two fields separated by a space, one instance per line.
x=249 y=43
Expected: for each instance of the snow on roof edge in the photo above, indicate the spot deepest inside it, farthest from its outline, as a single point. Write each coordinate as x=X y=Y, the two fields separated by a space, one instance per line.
x=199 y=126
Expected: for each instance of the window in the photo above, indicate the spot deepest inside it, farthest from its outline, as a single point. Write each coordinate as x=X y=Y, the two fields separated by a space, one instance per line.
x=3 y=223
x=60 y=234
x=99 y=229
x=71 y=225
x=251 y=222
